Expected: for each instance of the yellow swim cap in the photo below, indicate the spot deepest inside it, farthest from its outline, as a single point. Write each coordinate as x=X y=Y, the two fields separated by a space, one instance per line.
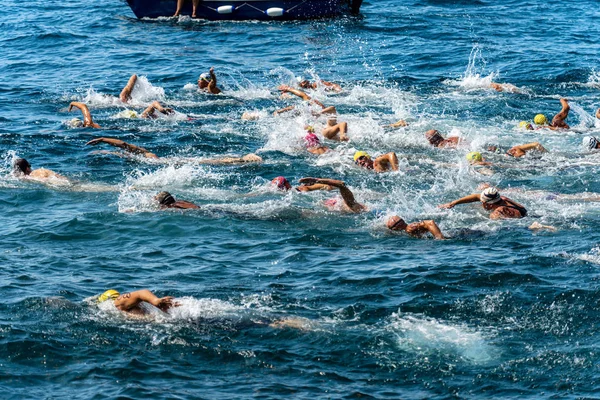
x=359 y=154
x=132 y=114
x=540 y=119
x=109 y=294
x=474 y=156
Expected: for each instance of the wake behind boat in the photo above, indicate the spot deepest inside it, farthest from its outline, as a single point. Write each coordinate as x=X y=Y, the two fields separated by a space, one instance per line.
x=264 y=10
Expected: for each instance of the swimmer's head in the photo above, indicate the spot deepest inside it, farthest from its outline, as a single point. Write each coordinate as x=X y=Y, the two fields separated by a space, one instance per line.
x=110 y=294
x=311 y=140
x=22 y=166
x=281 y=183
x=396 y=223
x=490 y=196
x=305 y=84
x=540 y=119
x=590 y=142
x=250 y=116
x=360 y=154
x=331 y=120
x=309 y=128
x=474 y=156
x=130 y=114
x=165 y=199
x=204 y=77
x=433 y=137
x=525 y=125
x=76 y=123
x=362 y=159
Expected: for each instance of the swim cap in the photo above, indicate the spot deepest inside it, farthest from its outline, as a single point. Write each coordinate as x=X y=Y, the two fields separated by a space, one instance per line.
x=21 y=165
x=540 y=119
x=395 y=222
x=165 y=198
x=474 y=156
x=110 y=294
x=590 y=142
x=131 y=114
x=204 y=77
x=309 y=128
x=525 y=125
x=360 y=154
x=76 y=123
x=281 y=183
x=311 y=140
x=490 y=196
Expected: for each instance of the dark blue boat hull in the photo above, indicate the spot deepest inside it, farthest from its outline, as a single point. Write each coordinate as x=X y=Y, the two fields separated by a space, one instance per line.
x=263 y=10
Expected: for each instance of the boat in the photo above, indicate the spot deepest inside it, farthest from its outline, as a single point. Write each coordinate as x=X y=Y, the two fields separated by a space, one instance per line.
x=240 y=10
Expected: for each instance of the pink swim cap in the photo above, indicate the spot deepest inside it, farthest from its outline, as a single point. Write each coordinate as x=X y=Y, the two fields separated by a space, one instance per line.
x=281 y=183
x=311 y=140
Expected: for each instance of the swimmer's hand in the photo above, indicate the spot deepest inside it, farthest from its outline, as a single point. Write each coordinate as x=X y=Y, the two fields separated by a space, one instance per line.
x=447 y=205
x=164 y=303
x=284 y=88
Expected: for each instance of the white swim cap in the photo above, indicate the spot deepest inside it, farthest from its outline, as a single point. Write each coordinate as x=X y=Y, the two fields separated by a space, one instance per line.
x=590 y=142
x=76 y=123
x=490 y=196
x=204 y=77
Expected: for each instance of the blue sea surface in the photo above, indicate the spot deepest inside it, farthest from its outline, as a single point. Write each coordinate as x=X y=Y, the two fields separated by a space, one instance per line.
x=279 y=296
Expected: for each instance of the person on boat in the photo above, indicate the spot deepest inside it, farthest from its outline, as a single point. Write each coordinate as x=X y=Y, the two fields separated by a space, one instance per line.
x=349 y=204
x=313 y=143
x=436 y=140
x=136 y=150
x=334 y=130
x=180 y=5
x=131 y=302
x=208 y=82
x=283 y=184
x=87 y=122
x=558 y=122
x=416 y=229
x=166 y=200
x=329 y=86
x=287 y=89
x=383 y=163
x=520 y=150
x=22 y=169
x=501 y=207
x=591 y=143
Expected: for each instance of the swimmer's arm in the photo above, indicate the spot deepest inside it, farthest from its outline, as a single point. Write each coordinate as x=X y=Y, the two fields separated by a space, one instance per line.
x=472 y=198
x=212 y=85
x=433 y=228
x=233 y=160
x=128 y=301
x=281 y=111
x=400 y=124
x=155 y=106
x=334 y=86
x=299 y=93
x=391 y=158
x=347 y=195
x=123 y=145
x=316 y=186
x=87 y=116
x=598 y=113
x=125 y=95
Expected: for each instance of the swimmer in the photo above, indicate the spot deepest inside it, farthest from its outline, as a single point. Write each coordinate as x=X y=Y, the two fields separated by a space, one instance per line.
x=286 y=89
x=131 y=302
x=334 y=130
x=130 y=148
x=313 y=143
x=416 y=229
x=475 y=158
x=180 y=5
x=208 y=81
x=150 y=111
x=591 y=143
x=520 y=150
x=283 y=184
x=383 y=163
x=166 y=200
x=501 y=207
x=350 y=204
x=504 y=87
x=22 y=169
x=87 y=117
x=125 y=95
x=329 y=86
x=558 y=122
x=436 y=140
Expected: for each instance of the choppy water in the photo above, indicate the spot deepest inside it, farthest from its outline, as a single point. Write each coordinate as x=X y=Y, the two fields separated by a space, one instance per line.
x=498 y=311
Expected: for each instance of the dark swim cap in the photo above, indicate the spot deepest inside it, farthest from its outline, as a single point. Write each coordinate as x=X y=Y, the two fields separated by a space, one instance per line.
x=165 y=198
x=21 y=165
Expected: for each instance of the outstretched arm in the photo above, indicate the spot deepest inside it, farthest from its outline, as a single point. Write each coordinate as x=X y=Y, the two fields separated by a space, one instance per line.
x=347 y=195
x=127 y=301
x=297 y=92
x=434 y=229
x=87 y=117
x=125 y=95
x=311 y=188
x=559 y=119
x=123 y=145
x=212 y=85
x=155 y=106
x=472 y=198
x=389 y=158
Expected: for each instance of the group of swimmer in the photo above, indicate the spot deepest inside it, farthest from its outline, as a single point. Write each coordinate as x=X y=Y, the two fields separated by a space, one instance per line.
x=500 y=207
